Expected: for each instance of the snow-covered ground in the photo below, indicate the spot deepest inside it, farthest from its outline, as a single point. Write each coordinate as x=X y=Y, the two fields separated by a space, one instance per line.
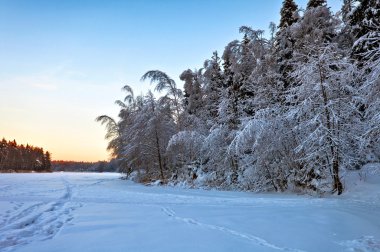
x=100 y=212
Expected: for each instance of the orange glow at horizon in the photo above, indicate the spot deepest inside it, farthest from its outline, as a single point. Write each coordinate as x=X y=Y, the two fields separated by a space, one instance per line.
x=63 y=149
x=68 y=132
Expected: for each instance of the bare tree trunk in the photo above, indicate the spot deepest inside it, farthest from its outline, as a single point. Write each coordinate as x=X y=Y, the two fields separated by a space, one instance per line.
x=235 y=167
x=338 y=186
x=159 y=155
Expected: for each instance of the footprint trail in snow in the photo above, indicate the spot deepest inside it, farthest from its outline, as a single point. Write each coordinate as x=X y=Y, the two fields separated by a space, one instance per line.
x=257 y=240
x=40 y=221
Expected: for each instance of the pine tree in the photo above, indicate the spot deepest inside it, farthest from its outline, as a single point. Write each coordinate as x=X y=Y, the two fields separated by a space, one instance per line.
x=315 y=3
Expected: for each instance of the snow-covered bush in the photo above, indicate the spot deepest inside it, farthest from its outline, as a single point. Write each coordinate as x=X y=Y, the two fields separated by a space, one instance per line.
x=184 y=149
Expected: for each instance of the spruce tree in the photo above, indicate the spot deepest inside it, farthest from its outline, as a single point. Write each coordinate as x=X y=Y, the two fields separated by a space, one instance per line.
x=213 y=86
x=230 y=91
x=284 y=41
x=365 y=22
x=247 y=63
x=47 y=161
x=358 y=16
x=193 y=94
x=345 y=37
x=346 y=9
x=315 y=3
x=288 y=14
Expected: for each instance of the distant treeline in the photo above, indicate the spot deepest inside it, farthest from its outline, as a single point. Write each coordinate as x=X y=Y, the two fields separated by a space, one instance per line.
x=23 y=158
x=75 y=166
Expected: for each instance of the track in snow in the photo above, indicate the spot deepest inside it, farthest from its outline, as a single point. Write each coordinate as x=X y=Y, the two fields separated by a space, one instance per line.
x=131 y=217
x=40 y=221
x=257 y=240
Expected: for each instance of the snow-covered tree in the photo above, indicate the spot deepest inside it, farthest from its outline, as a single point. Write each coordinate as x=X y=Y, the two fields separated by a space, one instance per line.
x=326 y=114
x=289 y=14
x=140 y=137
x=315 y=4
x=253 y=49
x=213 y=86
x=113 y=134
x=289 y=112
x=284 y=44
x=165 y=83
x=266 y=153
x=370 y=91
x=228 y=106
x=365 y=22
x=183 y=152
x=192 y=91
x=215 y=160
x=347 y=7
x=318 y=26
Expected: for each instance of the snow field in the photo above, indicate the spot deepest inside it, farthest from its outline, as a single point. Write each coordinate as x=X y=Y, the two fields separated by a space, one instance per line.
x=100 y=212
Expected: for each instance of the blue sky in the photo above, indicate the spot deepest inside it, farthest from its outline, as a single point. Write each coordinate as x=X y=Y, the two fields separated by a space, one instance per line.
x=63 y=62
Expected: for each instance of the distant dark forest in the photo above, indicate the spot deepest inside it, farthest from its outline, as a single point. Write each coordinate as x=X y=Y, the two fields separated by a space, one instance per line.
x=28 y=158
x=23 y=158
x=74 y=166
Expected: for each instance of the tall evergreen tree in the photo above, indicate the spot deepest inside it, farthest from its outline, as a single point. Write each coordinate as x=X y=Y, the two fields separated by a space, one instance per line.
x=213 y=86
x=284 y=42
x=229 y=101
x=346 y=9
x=317 y=27
x=315 y=3
x=192 y=91
x=345 y=37
x=288 y=14
x=358 y=16
x=365 y=21
x=47 y=161
x=247 y=62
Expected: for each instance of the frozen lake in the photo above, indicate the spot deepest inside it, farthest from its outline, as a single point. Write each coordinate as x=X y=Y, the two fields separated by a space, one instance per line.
x=101 y=212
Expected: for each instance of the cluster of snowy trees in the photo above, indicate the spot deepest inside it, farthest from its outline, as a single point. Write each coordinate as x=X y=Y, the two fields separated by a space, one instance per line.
x=290 y=111
x=15 y=158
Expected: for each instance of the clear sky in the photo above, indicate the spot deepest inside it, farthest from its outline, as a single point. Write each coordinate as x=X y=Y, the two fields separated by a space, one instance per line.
x=63 y=63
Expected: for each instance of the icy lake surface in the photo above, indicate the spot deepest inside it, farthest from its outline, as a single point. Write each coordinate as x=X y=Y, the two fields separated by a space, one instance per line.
x=101 y=212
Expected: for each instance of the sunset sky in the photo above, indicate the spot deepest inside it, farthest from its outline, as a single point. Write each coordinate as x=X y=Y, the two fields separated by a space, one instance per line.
x=63 y=63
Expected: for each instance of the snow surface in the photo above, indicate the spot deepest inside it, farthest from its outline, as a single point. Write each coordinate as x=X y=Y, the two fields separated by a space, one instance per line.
x=100 y=212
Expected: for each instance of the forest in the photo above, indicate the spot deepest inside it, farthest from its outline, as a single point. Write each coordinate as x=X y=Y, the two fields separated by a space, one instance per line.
x=75 y=166
x=292 y=110
x=20 y=158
